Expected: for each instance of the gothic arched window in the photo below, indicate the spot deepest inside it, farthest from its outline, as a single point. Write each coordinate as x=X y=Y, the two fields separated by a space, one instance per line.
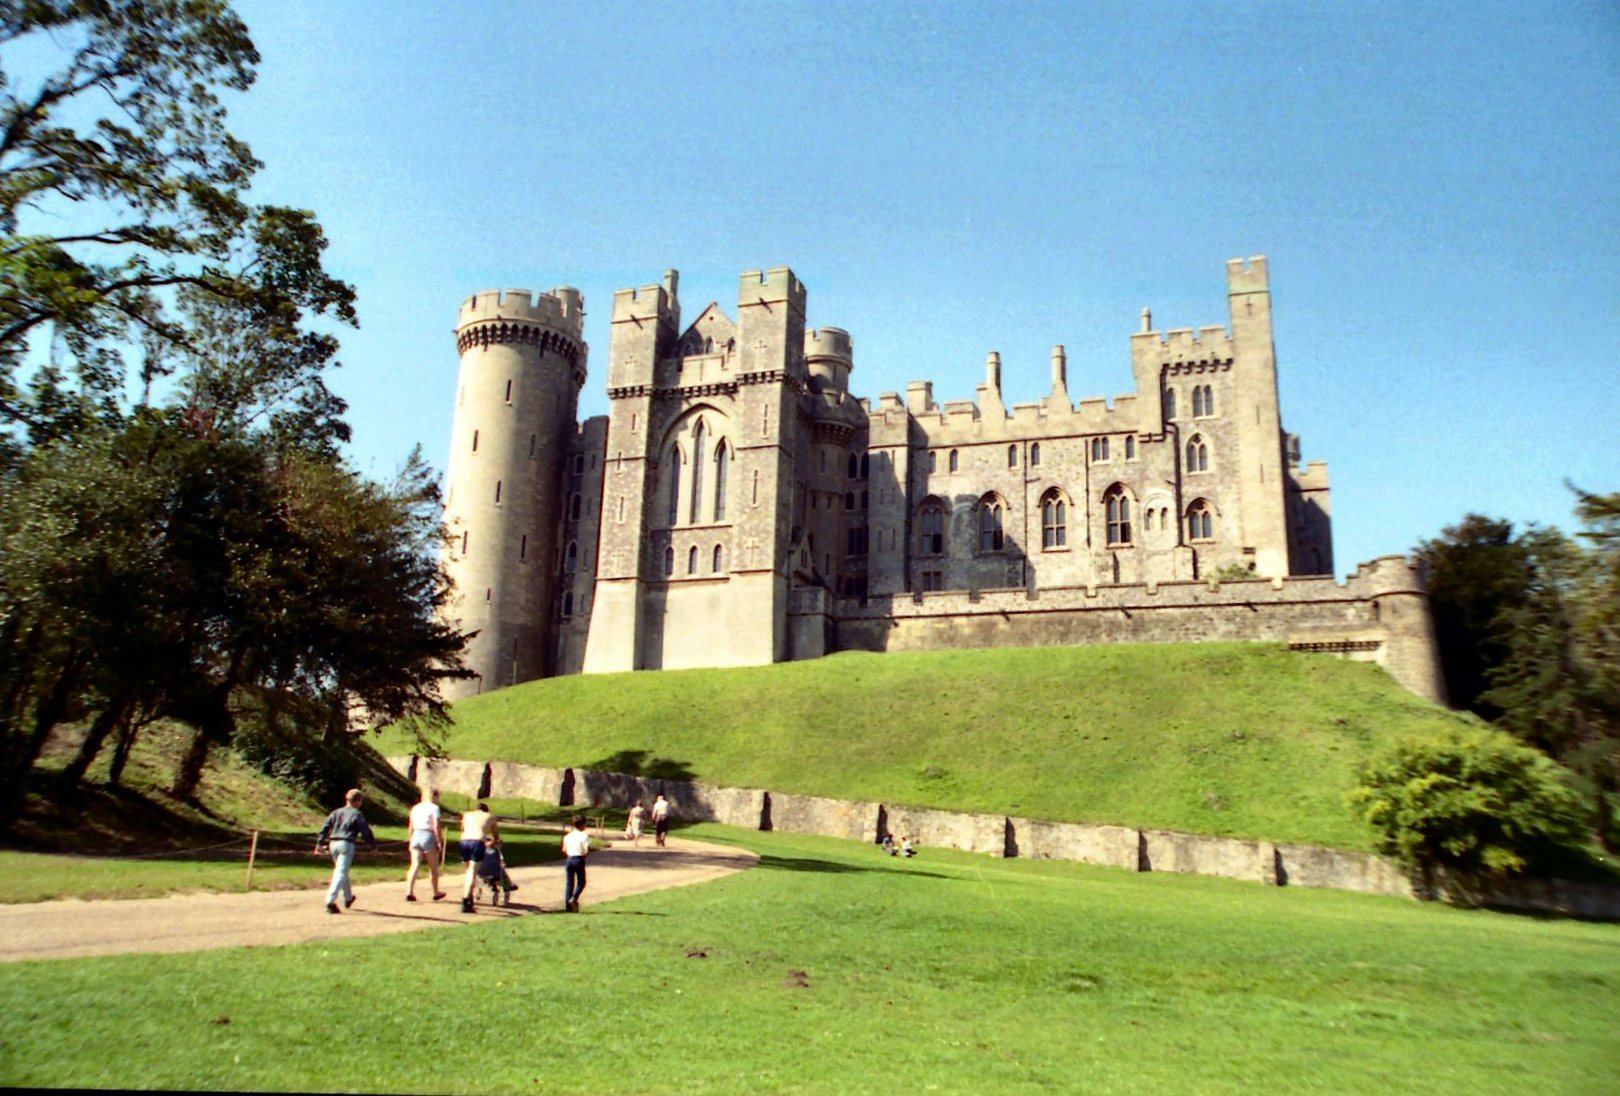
x=669 y=562
x=1200 y=522
x=697 y=472
x=1197 y=454
x=1169 y=403
x=1012 y=456
x=719 y=560
x=676 y=457
x=1054 y=520
x=722 y=461
x=691 y=560
x=1035 y=453
x=932 y=523
x=954 y=462
x=990 y=511
x=1117 y=510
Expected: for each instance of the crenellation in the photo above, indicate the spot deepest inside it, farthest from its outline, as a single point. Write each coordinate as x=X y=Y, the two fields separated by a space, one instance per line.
x=756 y=510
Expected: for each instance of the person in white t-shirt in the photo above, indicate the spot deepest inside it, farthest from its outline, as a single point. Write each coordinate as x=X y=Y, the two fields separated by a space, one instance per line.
x=427 y=843
x=576 y=846
x=660 y=817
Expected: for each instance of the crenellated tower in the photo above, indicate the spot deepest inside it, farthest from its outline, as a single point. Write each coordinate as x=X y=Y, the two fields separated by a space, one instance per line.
x=523 y=362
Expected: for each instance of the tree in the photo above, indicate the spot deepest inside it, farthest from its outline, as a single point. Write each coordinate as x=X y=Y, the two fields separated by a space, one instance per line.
x=1476 y=570
x=125 y=145
x=1467 y=807
x=185 y=542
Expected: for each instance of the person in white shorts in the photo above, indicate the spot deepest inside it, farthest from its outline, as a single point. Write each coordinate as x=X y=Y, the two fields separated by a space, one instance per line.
x=427 y=843
x=632 y=823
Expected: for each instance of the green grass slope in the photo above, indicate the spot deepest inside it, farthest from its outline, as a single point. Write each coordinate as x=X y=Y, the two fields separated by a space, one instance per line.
x=1237 y=739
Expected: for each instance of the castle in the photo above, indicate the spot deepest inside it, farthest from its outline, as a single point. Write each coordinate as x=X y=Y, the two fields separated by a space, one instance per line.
x=740 y=506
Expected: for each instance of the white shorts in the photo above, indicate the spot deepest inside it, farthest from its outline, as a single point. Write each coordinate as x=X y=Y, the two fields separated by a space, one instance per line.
x=424 y=841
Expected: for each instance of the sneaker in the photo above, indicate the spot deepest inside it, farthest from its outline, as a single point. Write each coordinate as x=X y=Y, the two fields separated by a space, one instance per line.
x=438 y=896
x=349 y=901
x=512 y=887
x=331 y=907
x=410 y=898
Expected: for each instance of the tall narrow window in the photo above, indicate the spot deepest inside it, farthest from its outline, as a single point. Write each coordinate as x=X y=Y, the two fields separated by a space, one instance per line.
x=719 y=561
x=1197 y=454
x=1130 y=446
x=1054 y=521
x=697 y=473
x=497 y=492
x=568 y=605
x=954 y=464
x=509 y=391
x=675 y=458
x=866 y=465
x=571 y=557
x=755 y=492
x=523 y=547
x=531 y=445
x=854 y=466
x=990 y=539
x=1117 y=507
x=573 y=508
x=1200 y=522
x=463 y=543
x=475 y=441
x=933 y=461
x=1169 y=403
x=1099 y=450
x=933 y=530
x=621 y=509
x=691 y=560
x=722 y=462
x=1035 y=453
x=669 y=561
x=1012 y=456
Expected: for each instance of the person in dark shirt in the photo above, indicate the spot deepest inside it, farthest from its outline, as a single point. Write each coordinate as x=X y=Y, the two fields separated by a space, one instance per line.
x=343 y=827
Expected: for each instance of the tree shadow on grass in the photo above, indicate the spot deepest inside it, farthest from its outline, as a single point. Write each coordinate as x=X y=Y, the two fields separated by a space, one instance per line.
x=834 y=867
x=639 y=763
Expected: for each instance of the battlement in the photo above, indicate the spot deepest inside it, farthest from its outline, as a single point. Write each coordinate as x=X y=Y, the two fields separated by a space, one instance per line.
x=828 y=342
x=562 y=310
x=649 y=302
x=771 y=286
x=1249 y=277
x=1210 y=342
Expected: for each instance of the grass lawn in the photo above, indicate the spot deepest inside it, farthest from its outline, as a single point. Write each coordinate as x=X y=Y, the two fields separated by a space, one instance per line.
x=1235 y=739
x=830 y=968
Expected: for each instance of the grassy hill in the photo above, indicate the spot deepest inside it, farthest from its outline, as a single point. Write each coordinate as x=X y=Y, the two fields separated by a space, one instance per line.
x=1235 y=739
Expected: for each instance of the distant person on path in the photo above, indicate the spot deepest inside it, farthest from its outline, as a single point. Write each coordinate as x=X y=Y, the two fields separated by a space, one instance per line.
x=632 y=824
x=660 y=815
x=342 y=828
x=576 y=846
x=475 y=826
x=427 y=843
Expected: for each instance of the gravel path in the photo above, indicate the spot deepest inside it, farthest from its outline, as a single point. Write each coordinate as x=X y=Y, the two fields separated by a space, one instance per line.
x=198 y=922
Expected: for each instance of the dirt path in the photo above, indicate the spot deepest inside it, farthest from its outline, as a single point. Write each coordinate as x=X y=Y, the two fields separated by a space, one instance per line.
x=198 y=922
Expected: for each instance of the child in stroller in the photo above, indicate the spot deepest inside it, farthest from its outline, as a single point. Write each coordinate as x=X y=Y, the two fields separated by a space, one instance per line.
x=492 y=874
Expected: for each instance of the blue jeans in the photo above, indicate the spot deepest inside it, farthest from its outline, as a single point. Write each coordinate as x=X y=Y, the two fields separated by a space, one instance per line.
x=342 y=860
x=573 y=873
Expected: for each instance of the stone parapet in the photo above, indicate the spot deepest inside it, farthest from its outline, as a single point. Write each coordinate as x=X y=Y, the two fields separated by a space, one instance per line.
x=1111 y=846
x=854 y=821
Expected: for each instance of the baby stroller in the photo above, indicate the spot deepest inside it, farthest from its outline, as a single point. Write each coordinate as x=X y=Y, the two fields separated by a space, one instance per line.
x=492 y=875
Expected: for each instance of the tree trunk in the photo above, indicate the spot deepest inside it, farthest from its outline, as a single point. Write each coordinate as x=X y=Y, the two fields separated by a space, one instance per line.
x=90 y=748
x=189 y=774
x=128 y=731
x=46 y=717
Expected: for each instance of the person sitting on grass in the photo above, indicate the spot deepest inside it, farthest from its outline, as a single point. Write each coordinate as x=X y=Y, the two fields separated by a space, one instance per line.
x=907 y=849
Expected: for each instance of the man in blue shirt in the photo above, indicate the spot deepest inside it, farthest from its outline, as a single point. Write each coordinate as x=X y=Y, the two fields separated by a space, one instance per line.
x=343 y=827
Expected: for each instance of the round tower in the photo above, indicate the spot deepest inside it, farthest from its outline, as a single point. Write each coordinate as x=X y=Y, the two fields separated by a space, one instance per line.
x=522 y=366
x=829 y=355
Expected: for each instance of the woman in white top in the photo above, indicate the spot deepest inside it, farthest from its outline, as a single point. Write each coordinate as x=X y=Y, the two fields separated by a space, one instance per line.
x=427 y=843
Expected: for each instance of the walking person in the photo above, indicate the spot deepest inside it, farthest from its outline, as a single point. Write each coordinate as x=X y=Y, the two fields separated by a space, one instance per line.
x=660 y=817
x=342 y=828
x=576 y=846
x=475 y=826
x=427 y=843
x=632 y=824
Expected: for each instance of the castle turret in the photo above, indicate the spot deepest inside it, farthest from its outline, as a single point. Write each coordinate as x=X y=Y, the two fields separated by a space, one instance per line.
x=829 y=357
x=1259 y=422
x=522 y=366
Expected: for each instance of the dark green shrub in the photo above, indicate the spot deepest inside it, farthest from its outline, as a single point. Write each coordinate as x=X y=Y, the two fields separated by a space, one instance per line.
x=1472 y=804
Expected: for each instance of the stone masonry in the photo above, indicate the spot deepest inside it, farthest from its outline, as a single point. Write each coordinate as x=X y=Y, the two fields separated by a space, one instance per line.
x=738 y=506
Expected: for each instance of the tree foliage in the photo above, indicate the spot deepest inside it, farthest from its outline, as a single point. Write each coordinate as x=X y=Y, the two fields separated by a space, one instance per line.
x=181 y=539
x=1473 y=804
x=1529 y=631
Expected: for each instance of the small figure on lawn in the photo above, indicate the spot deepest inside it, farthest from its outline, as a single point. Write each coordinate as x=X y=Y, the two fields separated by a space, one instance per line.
x=907 y=848
x=576 y=846
x=888 y=843
x=660 y=817
x=632 y=823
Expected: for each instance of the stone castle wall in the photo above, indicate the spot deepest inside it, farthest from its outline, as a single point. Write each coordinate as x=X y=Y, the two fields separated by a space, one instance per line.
x=1123 y=847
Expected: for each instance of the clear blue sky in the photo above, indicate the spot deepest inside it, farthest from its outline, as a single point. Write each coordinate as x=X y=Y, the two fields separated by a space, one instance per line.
x=1435 y=187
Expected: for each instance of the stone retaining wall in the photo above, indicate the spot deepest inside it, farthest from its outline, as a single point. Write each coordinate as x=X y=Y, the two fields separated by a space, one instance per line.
x=994 y=834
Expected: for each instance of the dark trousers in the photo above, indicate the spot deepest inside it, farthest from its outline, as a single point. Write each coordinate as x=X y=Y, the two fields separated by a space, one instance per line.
x=573 y=879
